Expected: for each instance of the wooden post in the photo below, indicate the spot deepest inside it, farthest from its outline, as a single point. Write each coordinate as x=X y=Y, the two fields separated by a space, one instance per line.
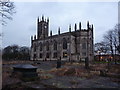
x=59 y=63
x=86 y=63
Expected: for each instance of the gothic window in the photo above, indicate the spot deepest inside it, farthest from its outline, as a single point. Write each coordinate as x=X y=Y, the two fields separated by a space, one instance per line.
x=64 y=54
x=34 y=47
x=40 y=31
x=47 y=46
x=64 y=43
x=84 y=53
x=40 y=55
x=84 y=46
x=55 y=55
x=41 y=47
x=34 y=56
x=47 y=55
x=40 y=28
x=55 y=45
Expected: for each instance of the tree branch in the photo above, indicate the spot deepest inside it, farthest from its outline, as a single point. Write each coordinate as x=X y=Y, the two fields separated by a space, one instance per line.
x=6 y=10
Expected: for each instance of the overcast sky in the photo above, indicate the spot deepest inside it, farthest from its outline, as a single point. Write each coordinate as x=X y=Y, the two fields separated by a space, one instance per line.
x=103 y=15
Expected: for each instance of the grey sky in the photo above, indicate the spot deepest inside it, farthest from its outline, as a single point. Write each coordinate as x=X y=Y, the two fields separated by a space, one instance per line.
x=103 y=15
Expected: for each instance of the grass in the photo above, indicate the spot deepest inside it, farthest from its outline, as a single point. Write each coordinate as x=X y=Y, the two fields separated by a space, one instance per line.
x=46 y=76
x=73 y=82
x=30 y=79
x=68 y=69
x=17 y=86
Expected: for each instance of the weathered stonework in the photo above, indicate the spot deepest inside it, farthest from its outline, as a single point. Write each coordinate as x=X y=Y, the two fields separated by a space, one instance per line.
x=72 y=45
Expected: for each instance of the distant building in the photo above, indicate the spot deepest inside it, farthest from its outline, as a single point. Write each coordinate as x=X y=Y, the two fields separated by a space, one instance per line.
x=105 y=57
x=72 y=45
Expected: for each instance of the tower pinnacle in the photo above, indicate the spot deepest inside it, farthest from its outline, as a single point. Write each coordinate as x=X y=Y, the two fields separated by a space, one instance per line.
x=59 y=30
x=51 y=33
x=80 y=26
x=70 y=28
x=42 y=17
x=75 y=26
x=87 y=24
x=38 y=19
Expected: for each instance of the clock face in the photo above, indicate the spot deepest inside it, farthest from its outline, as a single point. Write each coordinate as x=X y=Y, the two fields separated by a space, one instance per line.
x=45 y=26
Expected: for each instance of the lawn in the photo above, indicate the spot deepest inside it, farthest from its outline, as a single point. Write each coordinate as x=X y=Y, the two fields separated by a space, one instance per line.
x=70 y=75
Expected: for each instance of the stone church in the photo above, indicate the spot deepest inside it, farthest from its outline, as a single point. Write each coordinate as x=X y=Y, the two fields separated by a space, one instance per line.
x=74 y=45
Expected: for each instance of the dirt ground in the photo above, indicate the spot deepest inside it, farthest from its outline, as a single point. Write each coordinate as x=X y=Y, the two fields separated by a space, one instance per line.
x=70 y=75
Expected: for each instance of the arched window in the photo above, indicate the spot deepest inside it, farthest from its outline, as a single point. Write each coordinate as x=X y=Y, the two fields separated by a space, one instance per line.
x=47 y=46
x=40 y=55
x=55 y=55
x=40 y=46
x=64 y=54
x=34 y=47
x=64 y=43
x=47 y=55
x=55 y=45
x=83 y=45
x=34 y=56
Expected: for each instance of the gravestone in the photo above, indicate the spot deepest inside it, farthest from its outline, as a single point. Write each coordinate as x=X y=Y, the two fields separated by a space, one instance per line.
x=59 y=63
x=103 y=73
x=86 y=63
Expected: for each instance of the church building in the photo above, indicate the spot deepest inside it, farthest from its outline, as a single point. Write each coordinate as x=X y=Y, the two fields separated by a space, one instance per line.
x=74 y=45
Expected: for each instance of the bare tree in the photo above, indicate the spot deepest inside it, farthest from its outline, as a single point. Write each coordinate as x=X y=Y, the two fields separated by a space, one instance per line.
x=108 y=38
x=101 y=48
x=112 y=37
x=117 y=37
x=15 y=52
x=7 y=9
x=118 y=27
x=111 y=43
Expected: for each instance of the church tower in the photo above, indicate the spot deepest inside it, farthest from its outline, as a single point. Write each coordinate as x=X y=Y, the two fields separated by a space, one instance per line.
x=42 y=28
